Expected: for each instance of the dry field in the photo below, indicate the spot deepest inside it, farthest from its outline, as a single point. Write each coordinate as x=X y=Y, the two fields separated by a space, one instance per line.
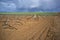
x=29 y=27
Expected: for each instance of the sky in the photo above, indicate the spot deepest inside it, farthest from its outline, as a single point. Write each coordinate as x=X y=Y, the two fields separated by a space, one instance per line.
x=29 y=5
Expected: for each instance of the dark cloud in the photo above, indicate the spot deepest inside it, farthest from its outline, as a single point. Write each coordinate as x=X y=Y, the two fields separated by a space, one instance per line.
x=29 y=5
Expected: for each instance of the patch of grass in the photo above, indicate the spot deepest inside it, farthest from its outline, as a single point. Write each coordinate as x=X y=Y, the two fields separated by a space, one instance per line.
x=29 y=13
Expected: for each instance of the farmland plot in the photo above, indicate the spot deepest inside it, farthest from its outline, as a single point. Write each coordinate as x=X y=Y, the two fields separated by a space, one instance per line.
x=28 y=27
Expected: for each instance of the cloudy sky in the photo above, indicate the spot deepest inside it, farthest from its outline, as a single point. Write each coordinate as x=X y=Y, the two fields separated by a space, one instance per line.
x=29 y=5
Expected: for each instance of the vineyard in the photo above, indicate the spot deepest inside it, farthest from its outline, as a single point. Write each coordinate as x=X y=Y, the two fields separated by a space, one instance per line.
x=29 y=27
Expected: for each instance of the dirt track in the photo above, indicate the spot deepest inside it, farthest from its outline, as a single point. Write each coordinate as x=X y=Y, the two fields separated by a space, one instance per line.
x=15 y=27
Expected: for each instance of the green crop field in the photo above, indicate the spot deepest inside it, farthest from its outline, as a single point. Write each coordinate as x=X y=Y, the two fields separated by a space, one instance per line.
x=29 y=13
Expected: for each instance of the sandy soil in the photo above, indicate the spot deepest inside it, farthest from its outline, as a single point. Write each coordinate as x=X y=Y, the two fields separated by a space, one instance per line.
x=13 y=27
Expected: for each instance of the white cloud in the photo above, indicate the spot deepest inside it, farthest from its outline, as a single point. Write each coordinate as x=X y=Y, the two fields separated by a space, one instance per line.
x=15 y=4
x=48 y=4
x=27 y=3
x=45 y=4
x=33 y=6
x=35 y=0
x=8 y=6
x=34 y=3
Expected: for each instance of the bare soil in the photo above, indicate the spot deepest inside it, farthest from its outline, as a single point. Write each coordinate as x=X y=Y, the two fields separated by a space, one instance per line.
x=15 y=27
